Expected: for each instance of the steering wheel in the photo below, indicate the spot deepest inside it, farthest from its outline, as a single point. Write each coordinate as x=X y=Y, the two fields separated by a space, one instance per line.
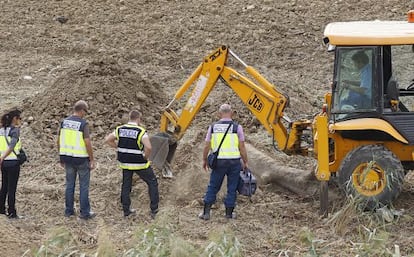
x=345 y=107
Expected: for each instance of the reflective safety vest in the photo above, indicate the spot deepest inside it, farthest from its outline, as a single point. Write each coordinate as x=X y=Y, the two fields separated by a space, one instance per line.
x=4 y=145
x=130 y=147
x=71 y=141
x=230 y=147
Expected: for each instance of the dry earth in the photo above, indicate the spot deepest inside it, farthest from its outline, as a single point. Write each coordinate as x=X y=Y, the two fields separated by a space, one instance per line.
x=119 y=54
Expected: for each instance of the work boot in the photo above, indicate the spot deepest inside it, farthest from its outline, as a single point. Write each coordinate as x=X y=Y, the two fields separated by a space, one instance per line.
x=129 y=212
x=205 y=215
x=230 y=214
x=153 y=213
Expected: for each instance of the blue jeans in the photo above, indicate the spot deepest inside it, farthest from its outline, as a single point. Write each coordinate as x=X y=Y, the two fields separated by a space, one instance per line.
x=84 y=177
x=231 y=169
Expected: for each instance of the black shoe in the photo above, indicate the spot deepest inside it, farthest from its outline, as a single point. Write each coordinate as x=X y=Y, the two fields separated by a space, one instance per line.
x=88 y=217
x=230 y=214
x=205 y=215
x=129 y=212
x=68 y=215
x=153 y=213
x=3 y=212
x=12 y=216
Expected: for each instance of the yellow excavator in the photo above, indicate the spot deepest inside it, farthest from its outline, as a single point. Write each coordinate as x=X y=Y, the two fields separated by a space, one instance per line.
x=364 y=134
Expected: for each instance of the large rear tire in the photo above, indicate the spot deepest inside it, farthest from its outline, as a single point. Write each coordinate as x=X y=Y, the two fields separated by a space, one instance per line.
x=373 y=175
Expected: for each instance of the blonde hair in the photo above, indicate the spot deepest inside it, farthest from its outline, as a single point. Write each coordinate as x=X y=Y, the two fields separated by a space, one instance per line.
x=225 y=108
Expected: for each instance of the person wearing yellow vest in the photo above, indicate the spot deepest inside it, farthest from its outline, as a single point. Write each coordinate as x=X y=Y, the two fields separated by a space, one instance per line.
x=76 y=156
x=133 y=150
x=10 y=146
x=232 y=158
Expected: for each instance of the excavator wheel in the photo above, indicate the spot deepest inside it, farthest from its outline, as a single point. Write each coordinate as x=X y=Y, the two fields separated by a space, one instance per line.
x=163 y=150
x=373 y=175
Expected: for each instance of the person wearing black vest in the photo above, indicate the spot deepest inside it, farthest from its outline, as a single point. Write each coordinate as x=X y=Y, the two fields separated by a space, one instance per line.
x=133 y=150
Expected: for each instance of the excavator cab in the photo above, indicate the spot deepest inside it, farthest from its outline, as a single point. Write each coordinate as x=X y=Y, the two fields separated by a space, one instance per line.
x=371 y=112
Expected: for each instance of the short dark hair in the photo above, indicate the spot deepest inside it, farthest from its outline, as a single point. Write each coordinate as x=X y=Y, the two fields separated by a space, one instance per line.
x=361 y=57
x=134 y=115
x=80 y=106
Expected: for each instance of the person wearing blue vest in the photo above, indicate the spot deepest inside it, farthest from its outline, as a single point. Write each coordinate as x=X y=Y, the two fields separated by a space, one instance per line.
x=232 y=158
x=133 y=150
x=76 y=156
x=10 y=146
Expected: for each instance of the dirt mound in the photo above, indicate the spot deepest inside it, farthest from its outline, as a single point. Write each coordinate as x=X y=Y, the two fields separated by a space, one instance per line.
x=111 y=91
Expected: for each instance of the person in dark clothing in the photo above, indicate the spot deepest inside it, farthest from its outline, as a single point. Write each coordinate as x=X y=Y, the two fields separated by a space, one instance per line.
x=133 y=150
x=232 y=158
x=10 y=146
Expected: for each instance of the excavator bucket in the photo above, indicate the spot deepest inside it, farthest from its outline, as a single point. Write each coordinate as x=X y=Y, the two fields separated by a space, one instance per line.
x=163 y=150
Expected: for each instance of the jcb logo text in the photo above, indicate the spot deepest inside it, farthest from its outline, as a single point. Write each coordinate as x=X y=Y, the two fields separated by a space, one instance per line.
x=255 y=102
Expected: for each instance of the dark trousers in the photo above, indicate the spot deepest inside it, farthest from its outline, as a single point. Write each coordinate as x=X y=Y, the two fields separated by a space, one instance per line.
x=231 y=169
x=148 y=176
x=9 y=178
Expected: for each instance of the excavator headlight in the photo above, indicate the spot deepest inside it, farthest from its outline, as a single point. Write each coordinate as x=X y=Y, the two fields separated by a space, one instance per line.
x=324 y=108
x=410 y=16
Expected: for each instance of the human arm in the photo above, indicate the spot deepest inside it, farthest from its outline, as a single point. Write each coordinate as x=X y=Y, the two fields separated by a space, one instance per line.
x=356 y=88
x=207 y=147
x=205 y=154
x=88 y=145
x=5 y=154
x=58 y=139
x=89 y=149
x=242 y=146
x=147 y=146
x=110 y=139
x=14 y=134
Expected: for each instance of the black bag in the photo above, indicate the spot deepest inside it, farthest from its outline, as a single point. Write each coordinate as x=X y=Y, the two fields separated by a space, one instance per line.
x=247 y=183
x=212 y=157
x=22 y=156
x=212 y=160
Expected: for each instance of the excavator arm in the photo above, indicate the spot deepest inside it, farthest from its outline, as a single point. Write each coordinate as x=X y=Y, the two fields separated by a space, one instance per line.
x=264 y=101
x=259 y=95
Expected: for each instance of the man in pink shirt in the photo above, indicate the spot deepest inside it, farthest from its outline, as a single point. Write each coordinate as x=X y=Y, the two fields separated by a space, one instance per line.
x=231 y=159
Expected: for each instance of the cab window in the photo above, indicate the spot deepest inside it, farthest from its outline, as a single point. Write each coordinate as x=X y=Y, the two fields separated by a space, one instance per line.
x=354 y=81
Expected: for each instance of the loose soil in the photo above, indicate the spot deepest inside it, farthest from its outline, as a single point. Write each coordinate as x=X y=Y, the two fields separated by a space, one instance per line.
x=123 y=54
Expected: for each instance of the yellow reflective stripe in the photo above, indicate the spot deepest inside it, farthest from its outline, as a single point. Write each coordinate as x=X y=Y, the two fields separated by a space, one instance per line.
x=230 y=147
x=134 y=166
x=72 y=143
x=126 y=150
x=4 y=146
x=140 y=137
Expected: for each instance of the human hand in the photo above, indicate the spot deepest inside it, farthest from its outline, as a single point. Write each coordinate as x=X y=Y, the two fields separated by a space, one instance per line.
x=244 y=165
x=92 y=165
x=205 y=166
x=346 y=84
